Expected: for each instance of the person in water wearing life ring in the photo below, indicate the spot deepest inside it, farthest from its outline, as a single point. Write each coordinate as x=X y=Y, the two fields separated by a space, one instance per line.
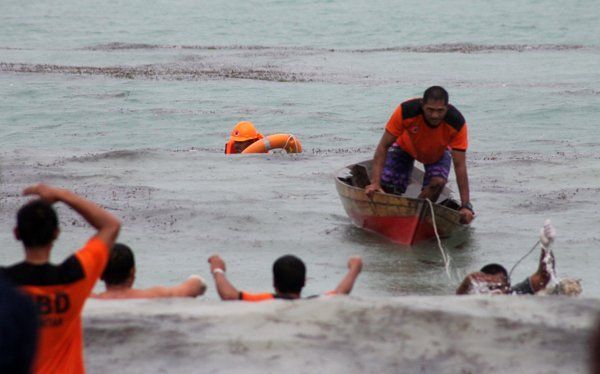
x=289 y=276
x=430 y=131
x=246 y=139
x=243 y=135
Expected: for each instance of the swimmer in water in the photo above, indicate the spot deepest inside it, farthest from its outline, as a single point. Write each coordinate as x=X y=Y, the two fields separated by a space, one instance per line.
x=289 y=276
x=119 y=276
x=243 y=135
x=494 y=279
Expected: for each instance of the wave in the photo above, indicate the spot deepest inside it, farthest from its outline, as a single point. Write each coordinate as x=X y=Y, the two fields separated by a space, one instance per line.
x=341 y=334
x=162 y=71
x=428 y=48
x=112 y=155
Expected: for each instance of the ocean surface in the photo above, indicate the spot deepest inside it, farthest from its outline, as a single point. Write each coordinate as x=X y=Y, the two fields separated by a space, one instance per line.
x=130 y=103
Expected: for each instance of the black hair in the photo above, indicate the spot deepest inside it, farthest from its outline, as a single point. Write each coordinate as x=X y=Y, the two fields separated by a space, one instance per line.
x=119 y=266
x=289 y=274
x=435 y=93
x=37 y=223
x=493 y=269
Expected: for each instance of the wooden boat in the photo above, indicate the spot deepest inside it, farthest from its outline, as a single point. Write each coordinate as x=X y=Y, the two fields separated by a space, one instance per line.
x=403 y=219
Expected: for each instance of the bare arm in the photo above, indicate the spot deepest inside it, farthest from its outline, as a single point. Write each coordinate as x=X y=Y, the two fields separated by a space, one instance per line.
x=379 y=161
x=192 y=287
x=225 y=289
x=546 y=271
x=459 y=159
x=106 y=224
x=464 y=287
x=354 y=269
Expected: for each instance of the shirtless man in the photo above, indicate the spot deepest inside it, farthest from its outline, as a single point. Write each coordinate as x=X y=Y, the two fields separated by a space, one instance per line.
x=119 y=276
x=494 y=279
x=289 y=276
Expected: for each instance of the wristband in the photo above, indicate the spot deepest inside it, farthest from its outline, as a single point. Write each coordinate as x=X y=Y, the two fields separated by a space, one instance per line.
x=468 y=206
x=219 y=271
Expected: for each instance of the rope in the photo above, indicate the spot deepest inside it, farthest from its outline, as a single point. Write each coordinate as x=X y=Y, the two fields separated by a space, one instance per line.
x=288 y=141
x=522 y=258
x=445 y=255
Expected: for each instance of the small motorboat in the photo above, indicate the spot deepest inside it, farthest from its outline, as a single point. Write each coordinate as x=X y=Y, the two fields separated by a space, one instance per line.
x=404 y=219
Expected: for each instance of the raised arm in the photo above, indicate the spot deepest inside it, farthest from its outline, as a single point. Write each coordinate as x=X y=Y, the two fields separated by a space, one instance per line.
x=379 y=161
x=546 y=271
x=354 y=268
x=106 y=224
x=225 y=289
x=459 y=159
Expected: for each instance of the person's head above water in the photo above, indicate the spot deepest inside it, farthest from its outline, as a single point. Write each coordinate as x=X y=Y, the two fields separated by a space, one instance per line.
x=120 y=269
x=491 y=279
x=242 y=136
x=289 y=275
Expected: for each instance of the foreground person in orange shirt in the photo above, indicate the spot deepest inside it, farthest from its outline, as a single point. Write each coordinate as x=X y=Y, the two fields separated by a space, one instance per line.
x=119 y=276
x=59 y=291
x=430 y=131
x=289 y=276
x=243 y=135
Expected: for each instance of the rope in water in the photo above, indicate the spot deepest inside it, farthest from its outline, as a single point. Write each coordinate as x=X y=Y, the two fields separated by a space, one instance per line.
x=522 y=258
x=445 y=255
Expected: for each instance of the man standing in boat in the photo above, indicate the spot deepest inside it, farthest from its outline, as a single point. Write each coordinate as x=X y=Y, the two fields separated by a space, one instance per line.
x=433 y=132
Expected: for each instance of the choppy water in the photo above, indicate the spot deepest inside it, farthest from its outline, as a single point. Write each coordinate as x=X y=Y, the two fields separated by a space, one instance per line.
x=130 y=102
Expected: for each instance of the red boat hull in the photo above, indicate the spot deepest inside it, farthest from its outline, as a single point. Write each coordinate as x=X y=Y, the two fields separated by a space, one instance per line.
x=402 y=219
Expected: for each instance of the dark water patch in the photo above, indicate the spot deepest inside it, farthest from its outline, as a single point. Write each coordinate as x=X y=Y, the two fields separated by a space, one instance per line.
x=528 y=157
x=582 y=92
x=106 y=95
x=559 y=200
x=326 y=151
x=428 y=48
x=129 y=155
x=476 y=48
x=163 y=72
x=118 y=46
x=5 y=48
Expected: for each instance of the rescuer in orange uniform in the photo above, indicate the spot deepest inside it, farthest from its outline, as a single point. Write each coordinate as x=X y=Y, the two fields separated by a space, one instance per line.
x=243 y=135
x=433 y=132
x=59 y=291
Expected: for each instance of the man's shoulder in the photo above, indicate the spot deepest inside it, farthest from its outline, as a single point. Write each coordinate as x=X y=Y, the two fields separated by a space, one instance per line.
x=411 y=108
x=25 y=274
x=454 y=118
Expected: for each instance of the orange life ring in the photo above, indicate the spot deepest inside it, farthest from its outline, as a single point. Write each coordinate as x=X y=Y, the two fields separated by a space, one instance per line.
x=284 y=141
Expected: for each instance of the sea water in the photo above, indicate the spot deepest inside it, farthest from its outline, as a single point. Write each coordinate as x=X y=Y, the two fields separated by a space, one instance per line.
x=129 y=103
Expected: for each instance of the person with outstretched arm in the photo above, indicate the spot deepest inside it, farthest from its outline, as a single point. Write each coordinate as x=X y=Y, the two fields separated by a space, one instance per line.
x=289 y=276
x=119 y=277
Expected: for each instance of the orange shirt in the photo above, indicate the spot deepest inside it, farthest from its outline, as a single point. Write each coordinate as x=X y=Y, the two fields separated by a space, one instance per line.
x=245 y=296
x=424 y=143
x=256 y=296
x=60 y=291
